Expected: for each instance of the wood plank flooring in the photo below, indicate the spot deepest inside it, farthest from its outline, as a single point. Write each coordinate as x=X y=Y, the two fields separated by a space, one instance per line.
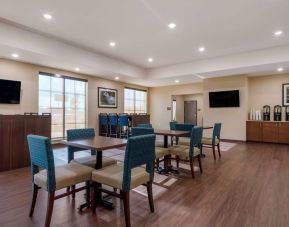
x=248 y=186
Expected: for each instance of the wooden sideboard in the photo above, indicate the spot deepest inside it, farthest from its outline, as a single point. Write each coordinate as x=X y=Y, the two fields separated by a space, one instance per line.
x=268 y=131
x=13 y=138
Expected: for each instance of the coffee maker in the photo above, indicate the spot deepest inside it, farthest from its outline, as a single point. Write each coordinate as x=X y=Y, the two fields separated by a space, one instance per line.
x=287 y=113
x=266 y=113
x=277 y=113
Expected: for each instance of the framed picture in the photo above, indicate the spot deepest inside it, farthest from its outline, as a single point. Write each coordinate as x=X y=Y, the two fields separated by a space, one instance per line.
x=285 y=94
x=107 y=98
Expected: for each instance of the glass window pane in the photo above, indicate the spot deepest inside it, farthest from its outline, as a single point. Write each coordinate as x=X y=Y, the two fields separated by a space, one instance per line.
x=44 y=99
x=69 y=115
x=44 y=82
x=56 y=100
x=57 y=131
x=69 y=86
x=69 y=126
x=80 y=87
x=80 y=102
x=80 y=125
x=57 y=116
x=80 y=116
x=69 y=101
x=57 y=84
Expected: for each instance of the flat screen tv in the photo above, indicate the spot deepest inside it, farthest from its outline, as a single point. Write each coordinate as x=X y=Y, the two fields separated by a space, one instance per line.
x=10 y=92
x=224 y=99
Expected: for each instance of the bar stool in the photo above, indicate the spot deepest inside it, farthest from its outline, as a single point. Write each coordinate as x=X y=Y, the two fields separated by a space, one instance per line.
x=123 y=124
x=103 y=120
x=113 y=123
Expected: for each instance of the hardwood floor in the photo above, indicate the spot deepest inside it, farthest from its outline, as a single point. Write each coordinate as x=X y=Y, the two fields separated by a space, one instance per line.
x=248 y=186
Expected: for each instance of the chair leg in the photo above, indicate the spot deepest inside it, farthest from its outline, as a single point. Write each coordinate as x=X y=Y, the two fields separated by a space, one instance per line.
x=158 y=163
x=34 y=197
x=150 y=195
x=73 y=191
x=219 y=150
x=126 y=207
x=214 y=152
x=192 y=167
x=50 y=203
x=88 y=193
x=178 y=161
x=200 y=163
x=94 y=198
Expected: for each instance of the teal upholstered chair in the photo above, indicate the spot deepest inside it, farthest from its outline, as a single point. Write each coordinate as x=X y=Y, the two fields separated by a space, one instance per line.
x=145 y=125
x=184 y=127
x=140 y=150
x=215 y=140
x=160 y=151
x=192 y=152
x=86 y=133
x=50 y=178
x=173 y=127
x=123 y=123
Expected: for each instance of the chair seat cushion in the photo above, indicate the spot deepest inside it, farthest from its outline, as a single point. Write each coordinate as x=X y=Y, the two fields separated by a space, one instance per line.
x=208 y=141
x=161 y=152
x=184 y=141
x=66 y=175
x=113 y=176
x=91 y=160
x=183 y=151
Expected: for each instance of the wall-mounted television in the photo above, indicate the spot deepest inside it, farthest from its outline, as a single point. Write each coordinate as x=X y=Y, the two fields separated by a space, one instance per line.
x=10 y=92
x=224 y=99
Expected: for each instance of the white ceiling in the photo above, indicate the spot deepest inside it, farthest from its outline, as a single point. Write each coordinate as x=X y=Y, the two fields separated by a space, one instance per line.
x=139 y=28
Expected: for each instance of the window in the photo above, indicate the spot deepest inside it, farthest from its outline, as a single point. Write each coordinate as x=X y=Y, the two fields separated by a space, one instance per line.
x=65 y=99
x=135 y=101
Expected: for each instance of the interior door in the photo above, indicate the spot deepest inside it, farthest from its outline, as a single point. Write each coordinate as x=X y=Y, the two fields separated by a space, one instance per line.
x=190 y=112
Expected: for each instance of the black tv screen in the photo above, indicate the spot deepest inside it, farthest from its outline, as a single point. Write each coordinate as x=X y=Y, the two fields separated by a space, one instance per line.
x=224 y=99
x=10 y=91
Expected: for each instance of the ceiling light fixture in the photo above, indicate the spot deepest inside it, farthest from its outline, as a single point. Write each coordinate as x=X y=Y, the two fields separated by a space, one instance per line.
x=112 y=44
x=278 y=33
x=280 y=69
x=177 y=81
x=202 y=49
x=172 y=25
x=15 y=55
x=150 y=59
x=77 y=69
x=116 y=78
x=47 y=16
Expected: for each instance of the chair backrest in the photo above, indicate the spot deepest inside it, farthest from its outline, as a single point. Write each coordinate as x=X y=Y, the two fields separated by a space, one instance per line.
x=140 y=150
x=195 y=139
x=41 y=156
x=145 y=125
x=138 y=131
x=173 y=125
x=113 y=119
x=184 y=127
x=103 y=118
x=216 y=132
x=123 y=119
x=74 y=134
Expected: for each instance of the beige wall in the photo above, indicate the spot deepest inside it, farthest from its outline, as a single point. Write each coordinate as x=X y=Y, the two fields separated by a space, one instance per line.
x=161 y=98
x=28 y=75
x=266 y=90
x=179 y=108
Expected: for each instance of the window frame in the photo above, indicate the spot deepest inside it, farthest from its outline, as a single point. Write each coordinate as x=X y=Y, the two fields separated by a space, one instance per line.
x=134 y=100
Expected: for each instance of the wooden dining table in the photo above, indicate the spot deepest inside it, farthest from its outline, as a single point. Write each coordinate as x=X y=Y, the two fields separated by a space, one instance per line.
x=97 y=144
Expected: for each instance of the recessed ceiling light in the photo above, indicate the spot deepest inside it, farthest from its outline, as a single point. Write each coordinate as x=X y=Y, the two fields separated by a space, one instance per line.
x=172 y=25
x=177 y=81
x=112 y=44
x=202 y=49
x=278 y=33
x=15 y=55
x=77 y=69
x=150 y=59
x=280 y=69
x=116 y=78
x=47 y=16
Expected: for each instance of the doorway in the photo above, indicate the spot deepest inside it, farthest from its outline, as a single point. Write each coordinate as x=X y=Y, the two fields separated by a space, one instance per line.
x=190 y=112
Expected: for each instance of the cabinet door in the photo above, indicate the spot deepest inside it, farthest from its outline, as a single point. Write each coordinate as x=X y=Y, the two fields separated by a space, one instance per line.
x=254 y=131
x=283 y=132
x=270 y=132
x=5 y=148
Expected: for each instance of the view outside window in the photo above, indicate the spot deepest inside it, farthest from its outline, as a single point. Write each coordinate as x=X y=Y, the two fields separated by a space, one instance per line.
x=65 y=99
x=135 y=101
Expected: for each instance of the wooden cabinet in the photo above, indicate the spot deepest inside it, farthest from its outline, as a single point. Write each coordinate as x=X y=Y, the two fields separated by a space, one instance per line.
x=254 y=131
x=268 y=131
x=13 y=138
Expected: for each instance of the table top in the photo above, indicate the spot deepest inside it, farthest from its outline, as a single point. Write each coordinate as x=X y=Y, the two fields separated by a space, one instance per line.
x=165 y=132
x=98 y=143
x=208 y=127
